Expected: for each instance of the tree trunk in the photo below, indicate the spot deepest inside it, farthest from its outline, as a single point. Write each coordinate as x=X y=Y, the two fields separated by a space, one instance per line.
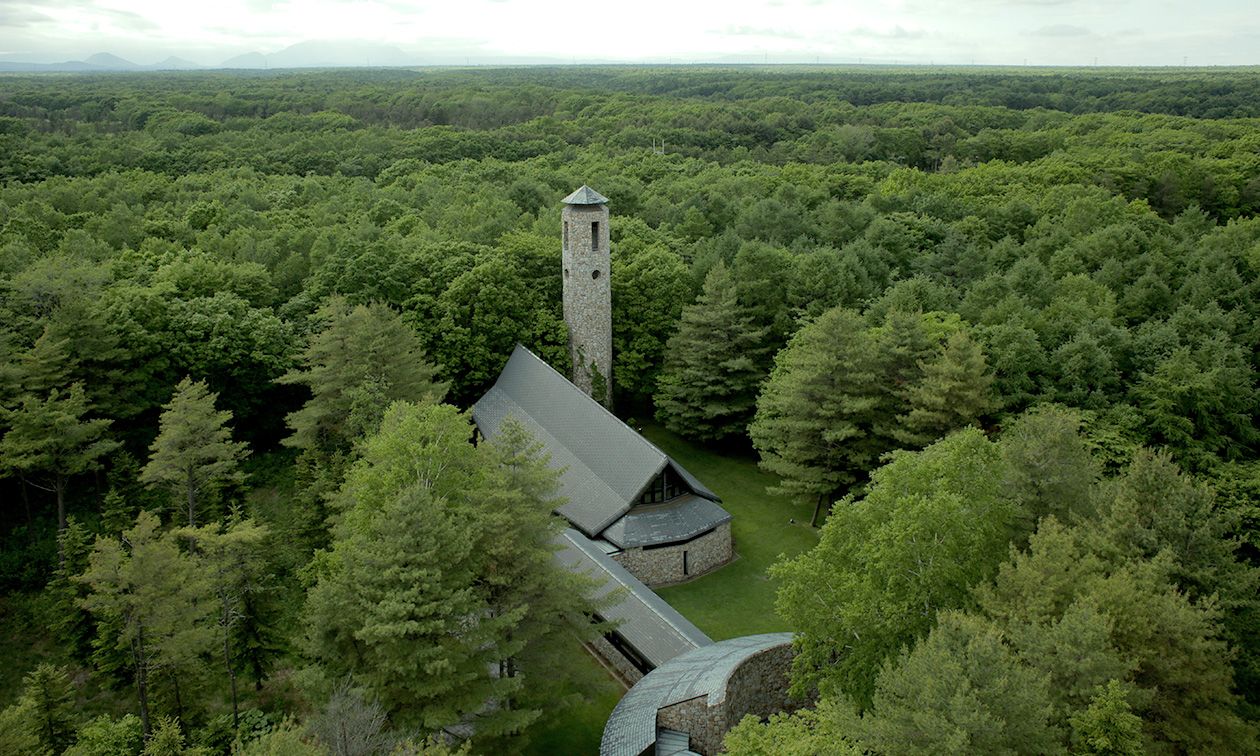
x=192 y=501
x=179 y=703
x=60 y=485
x=227 y=660
x=26 y=502
x=813 y=521
x=142 y=682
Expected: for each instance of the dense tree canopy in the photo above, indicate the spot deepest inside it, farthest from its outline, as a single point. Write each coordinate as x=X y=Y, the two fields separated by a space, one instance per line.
x=1037 y=290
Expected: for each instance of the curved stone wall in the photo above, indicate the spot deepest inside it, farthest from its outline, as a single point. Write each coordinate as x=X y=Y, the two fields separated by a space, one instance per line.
x=664 y=565
x=758 y=686
x=704 y=693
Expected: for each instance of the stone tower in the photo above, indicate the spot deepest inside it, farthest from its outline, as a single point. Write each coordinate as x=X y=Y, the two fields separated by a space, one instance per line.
x=587 y=291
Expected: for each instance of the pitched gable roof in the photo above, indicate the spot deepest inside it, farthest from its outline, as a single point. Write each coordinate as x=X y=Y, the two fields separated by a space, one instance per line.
x=646 y=621
x=606 y=465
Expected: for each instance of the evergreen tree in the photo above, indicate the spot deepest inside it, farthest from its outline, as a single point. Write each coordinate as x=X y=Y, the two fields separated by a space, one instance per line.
x=1049 y=468
x=1166 y=647
x=903 y=343
x=105 y=736
x=440 y=572
x=50 y=701
x=47 y=365
x=953 y=392
x=708 y=387
x=19 y=732
x=522 y=580
x=1154 y=510
x=231 y=558
x=69 y=620
x=959 y=691
x=150 y=601
x=365 y=349
x=52 y=436
x=194 y=450
x=815 y=413
x=1108 y=727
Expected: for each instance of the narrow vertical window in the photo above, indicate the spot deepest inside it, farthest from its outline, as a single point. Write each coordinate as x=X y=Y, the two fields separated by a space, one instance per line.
x=566 y=234
x=594 y=234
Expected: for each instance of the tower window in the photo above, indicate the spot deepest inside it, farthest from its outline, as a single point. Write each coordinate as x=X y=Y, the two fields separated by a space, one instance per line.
x=566 y=272
x=594 y=274
x=566 y=234
x=594 y=234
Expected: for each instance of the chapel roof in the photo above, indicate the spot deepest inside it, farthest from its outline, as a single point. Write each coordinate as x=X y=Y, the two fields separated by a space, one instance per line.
x=649 y=624
x=605 y=465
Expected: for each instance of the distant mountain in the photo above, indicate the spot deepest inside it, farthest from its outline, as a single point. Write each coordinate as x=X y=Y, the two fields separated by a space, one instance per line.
x=107 y=62
x=325 y=54
x=248 y=60
x=310 y=54
x=174 y=64
x=100 y=62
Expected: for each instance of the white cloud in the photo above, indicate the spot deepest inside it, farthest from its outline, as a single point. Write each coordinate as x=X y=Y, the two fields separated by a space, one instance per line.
x=943 y=31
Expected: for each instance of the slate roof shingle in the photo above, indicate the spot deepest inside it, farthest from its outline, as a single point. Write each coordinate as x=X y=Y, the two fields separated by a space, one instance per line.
x=631 y=728
x=649 y=624
x=605 y=464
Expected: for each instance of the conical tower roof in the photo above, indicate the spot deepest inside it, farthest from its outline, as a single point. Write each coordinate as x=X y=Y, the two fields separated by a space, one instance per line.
x=586 y=196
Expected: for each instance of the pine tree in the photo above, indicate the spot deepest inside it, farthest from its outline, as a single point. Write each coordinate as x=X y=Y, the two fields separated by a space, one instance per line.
x=150 y=601
x=441 y=570
x=815 y=415
x=1049 y=468
x=53 y=436
x=230 y=556
x=953 y=392
x=19 y=733
x=523 y=581
x=365 y=348
x=1108 y=727
x=960 y=690
x=708 y=387
x=50 y=699
x=69 y=620
x=47 y=365
x=194 y=449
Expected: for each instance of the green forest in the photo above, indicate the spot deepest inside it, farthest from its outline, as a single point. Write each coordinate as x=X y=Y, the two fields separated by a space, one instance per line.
x=997 y=329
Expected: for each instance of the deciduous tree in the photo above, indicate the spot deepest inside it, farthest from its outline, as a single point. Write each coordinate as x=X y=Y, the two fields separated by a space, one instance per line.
x=932 y=526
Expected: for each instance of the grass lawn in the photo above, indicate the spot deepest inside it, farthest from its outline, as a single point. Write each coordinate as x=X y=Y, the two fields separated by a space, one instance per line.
x=578 y=729
x=738 y=599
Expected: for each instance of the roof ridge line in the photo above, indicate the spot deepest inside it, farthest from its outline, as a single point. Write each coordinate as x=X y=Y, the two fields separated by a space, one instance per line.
x=591 y=399
x=682 y=633
x=515 y=408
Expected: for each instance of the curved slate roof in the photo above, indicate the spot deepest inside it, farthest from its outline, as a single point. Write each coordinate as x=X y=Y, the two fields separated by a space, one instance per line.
x=605 y=466
x=631 y=728
x=585 y=196
x=649 y=624
x=676 y=520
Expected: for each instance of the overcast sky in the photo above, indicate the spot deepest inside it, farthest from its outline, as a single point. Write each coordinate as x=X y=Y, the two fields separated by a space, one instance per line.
x=1039 y=32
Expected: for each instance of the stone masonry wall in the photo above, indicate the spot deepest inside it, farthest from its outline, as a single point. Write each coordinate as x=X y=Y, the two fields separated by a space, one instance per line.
x=665 y=565
x=758 y=686
x=587 y=294
x=610 y=654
